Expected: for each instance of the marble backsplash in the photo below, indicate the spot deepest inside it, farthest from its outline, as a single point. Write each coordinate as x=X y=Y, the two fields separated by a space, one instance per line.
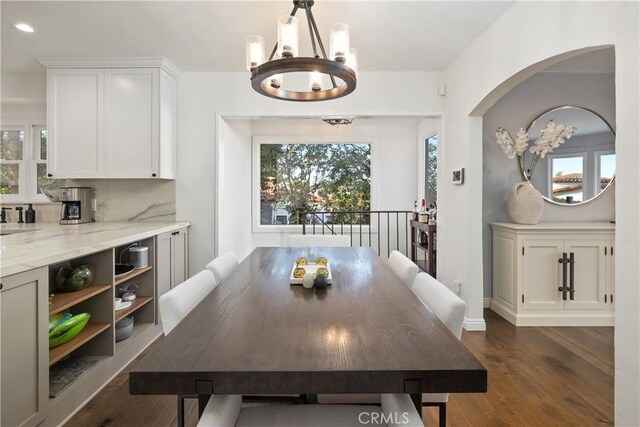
x=45 y=212
x=119 y=200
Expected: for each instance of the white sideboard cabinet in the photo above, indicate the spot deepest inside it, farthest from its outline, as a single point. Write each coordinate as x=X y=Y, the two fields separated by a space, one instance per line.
x=554 y=274
x=111 y=118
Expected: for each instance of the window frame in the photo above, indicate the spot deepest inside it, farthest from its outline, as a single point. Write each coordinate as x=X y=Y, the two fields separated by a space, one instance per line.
x=257 y=141
x=28 y=192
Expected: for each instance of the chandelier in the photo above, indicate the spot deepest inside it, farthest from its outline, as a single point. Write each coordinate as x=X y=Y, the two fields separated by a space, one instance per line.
x=267 y=77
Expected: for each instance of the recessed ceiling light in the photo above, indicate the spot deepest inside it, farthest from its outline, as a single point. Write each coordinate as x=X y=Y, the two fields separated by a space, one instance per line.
x=24 y=27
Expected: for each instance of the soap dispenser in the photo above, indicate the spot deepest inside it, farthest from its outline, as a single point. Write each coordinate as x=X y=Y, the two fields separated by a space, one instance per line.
x=30 y=214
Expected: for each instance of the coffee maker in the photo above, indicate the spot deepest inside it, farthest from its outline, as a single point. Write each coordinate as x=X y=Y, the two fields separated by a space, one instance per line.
x=78 y=205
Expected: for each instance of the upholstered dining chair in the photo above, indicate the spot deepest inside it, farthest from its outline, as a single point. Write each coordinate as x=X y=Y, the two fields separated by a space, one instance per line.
x=403 y=267
x=322 y=240
x=176 y=304
x=223 y=265
x=450 y=309
x=227 y=411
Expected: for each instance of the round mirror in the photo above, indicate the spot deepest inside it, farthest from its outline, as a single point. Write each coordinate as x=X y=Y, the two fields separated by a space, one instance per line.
x=579 y=169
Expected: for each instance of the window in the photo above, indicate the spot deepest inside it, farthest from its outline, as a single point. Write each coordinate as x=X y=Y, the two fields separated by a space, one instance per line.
x=606 y=169
x=294 y=177
x=431 y=169
x=23 y=164
x=567 y=178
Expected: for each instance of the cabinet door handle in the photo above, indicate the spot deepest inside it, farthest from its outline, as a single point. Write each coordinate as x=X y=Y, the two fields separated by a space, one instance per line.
x=0 y=286
x=611 y=299
x=49 y=175
x=153 y=175
x=564 y=289
x=605 y=298
x=572 y=288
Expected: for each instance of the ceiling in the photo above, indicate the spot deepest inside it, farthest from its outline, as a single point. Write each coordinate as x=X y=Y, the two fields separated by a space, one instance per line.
x=209 y=35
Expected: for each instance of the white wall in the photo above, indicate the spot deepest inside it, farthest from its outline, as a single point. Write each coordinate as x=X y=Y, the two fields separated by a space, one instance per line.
x=494 y=63
x=234 y=187
x=24 y=96
x=204 y=97
x=519 y=108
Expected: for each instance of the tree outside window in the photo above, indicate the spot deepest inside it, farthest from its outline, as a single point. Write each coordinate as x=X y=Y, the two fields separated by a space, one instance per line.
x=314 y=177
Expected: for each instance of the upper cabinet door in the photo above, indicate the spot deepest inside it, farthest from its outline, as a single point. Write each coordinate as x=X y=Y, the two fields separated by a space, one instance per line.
x=131 y=119
x=75 y=103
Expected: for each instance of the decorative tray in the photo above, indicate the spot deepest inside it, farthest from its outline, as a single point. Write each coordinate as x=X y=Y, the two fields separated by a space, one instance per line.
x=310 y=268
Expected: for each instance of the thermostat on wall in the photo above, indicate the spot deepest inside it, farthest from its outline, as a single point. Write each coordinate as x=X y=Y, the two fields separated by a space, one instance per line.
x=458 y=176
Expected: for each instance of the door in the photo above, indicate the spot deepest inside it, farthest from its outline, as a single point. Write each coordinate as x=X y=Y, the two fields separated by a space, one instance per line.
x=24 y=364
x=589 y=274
x=180 y=256
x=131 y=123
x=164 y=268
x=75 y=100
x=541 y=274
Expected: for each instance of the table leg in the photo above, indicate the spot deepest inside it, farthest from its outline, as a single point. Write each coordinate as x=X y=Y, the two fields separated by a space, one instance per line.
x=311 y=399
x=203 y=399
x=416 y=398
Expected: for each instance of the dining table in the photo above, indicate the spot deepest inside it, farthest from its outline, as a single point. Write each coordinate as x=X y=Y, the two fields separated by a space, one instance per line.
x=256 y=333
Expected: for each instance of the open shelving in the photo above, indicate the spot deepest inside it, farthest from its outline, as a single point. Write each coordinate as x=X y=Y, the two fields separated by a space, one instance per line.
x=89 y=332
x=63 y=300
x=131 y=275
x=135 y=305
x=143 y=308
x=419 y=229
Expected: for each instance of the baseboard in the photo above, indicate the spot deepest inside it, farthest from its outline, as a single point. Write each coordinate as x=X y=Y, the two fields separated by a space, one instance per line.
x=477 y=324
x=486 y=303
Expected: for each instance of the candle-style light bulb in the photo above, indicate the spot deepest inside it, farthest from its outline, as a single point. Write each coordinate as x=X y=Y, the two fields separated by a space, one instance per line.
x=315 y=80
x=254 y=51
x=339 y=42
x=276 y=81
x=288 y=36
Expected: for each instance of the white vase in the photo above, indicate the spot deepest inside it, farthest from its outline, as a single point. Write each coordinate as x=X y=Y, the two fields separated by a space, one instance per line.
x=525 y=204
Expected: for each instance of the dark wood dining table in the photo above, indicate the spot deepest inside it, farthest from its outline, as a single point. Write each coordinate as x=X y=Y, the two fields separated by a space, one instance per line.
x=258 y=334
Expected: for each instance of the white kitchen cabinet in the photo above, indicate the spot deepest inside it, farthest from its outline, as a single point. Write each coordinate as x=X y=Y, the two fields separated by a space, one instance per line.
x=111 y=120
x=75 y=123
x=172 y=259
x=528 y=276
x=24 y=367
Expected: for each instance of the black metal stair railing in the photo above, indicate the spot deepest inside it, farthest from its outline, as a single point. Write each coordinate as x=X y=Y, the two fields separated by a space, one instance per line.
x=383 y=231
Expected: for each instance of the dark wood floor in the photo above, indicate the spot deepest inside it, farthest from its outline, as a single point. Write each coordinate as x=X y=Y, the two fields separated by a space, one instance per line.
x=537 y=377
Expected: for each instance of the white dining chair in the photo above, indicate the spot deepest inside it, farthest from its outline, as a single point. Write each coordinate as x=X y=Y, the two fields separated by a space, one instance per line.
x=176 y=304
x=318 y=240
x=403 y=267
x=223 y=265
x=450 y=309
x=227 y=411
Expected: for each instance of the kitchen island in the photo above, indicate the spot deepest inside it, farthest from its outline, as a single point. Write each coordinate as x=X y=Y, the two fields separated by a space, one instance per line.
x=43 y=385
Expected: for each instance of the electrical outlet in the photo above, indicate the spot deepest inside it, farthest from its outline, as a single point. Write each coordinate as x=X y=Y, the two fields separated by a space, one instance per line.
x=458 y=286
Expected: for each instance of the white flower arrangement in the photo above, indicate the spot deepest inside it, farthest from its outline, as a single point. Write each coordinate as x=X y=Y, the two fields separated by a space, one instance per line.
x=550 y=138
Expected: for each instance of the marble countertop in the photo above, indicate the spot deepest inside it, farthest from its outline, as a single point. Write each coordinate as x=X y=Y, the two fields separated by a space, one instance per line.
x=28 y=246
